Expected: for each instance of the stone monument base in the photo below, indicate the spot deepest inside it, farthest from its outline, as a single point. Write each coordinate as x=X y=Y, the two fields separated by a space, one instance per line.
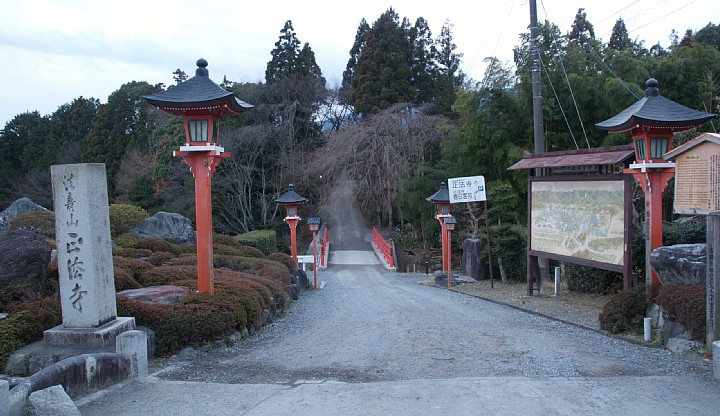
x=103 y=336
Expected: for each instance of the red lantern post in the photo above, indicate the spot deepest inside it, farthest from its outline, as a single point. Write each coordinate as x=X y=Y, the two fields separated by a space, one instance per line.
x=314 y=224
x=201 y=103
x=291 y=200
x=441 y=199
x=450 y=227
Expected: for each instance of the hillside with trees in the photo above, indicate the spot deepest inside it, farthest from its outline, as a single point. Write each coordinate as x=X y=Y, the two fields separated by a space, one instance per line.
x=404 y=118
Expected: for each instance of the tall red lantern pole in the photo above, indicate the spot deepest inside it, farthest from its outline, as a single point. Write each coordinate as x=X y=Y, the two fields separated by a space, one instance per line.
x=201 y=103
x=291 y=200
x=441 y=199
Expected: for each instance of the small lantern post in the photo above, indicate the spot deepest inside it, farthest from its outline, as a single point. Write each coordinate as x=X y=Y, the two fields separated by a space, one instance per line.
x=450 y=223
x=441 y=200
x=291 y=200
x=201 y=103
x=314 y=224
x=652 y=121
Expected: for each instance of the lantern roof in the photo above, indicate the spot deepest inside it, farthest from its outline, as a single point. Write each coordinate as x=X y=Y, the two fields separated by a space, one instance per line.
x=199 y=93
x=290 y=197
x=441 y=196
x=656 y=111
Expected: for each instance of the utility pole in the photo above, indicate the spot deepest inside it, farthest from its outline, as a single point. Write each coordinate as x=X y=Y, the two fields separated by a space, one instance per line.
x=538 y=128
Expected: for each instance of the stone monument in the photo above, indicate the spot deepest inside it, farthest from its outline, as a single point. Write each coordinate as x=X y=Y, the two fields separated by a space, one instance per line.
x=85 y=266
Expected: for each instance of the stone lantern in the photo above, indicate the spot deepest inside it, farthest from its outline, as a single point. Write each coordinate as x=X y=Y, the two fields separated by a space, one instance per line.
x=652 y=121
x=201 y=103
x=441 y=200
x=291 y=200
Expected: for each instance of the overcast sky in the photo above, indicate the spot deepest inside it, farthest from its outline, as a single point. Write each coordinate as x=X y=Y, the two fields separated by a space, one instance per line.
x=55 y=51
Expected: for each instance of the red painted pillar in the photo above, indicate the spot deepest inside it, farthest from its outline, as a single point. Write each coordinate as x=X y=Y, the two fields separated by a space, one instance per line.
x=203 y=221
x=292 y=222
x=449 y=257
x=653 y=183
x=444 y=239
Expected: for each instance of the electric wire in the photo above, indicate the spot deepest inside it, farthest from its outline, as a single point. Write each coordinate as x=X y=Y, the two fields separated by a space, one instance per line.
x=567 y=79
x=557 y=98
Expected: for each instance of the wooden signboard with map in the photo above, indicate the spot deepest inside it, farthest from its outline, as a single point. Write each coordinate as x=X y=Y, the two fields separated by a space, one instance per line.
x=583 y=220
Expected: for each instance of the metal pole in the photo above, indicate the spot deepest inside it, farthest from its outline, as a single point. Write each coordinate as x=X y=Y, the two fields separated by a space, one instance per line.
x=713 y=285
x=487 y=233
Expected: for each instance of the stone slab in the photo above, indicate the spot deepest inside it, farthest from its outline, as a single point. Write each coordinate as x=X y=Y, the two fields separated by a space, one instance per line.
x=4 y=398
x=353 y=257
x=716 y=359
x=82 y=225
x=52 y=401
x=134 y=343
x=89 y=337
x=33 y=357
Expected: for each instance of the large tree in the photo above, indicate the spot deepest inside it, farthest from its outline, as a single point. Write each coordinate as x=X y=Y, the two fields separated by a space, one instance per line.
x=620 y=38
x=345 y=91
x=449 y=76
x=384 y=72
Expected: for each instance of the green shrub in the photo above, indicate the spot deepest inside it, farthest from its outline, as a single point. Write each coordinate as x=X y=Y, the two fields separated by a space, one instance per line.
x=131 y=252
x=126 y=240
x=686 y=305
x=132 y=265
x=259 y=267
x=157 y=244
x=186 y=249
x=124 y=216
x=584 y=279
x=688 y=231
x=225 y=240
x=239 y=301
x=509 y=242
x=42 y=222
x=124 y=280
x=26 y=324
x=265 y=240
x=283 y=258
x=166 y=275
x=160 y=257
x=243 y=251
x=624 y=311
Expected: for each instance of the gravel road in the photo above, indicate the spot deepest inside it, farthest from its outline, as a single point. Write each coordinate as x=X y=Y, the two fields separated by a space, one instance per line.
x=374 y=342
x=369 y=325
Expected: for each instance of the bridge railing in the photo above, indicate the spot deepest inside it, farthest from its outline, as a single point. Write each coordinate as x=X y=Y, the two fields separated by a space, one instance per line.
x=385 y=248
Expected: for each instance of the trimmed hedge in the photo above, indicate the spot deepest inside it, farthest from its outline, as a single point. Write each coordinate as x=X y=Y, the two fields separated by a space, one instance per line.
x=242 y=251
x=225 y=240
x=584 y=279
x=265 y=240
x=624 y=311
x=686 y=305
x=157 y=244
x=26 y=324
x=124 y=280
x=126 y=240
x=259 y=267
x=283 y=258
x=238 y=302
x=41 y=222
x=131 y=252
x=160 y=257
x=167 y=275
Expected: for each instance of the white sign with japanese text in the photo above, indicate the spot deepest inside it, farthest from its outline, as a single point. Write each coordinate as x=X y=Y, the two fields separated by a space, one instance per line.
x=468 y=189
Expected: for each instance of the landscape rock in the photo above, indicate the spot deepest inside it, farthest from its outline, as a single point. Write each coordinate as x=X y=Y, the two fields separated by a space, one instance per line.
x=682 y=345
x=303 y=280
x=164 y=295
x=168 y=226
x=471 y=264
x=681 y=264
x=18 y=207
x=52 y=401
x=24 y=258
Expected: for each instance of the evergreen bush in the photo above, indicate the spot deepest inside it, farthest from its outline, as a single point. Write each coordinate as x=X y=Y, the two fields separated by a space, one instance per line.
x=624 y=311
x=686 y=305
x=157 y=244
x=584 y=279
x=126 y=240
x=265 y=240
x=131 y=252
x=124 y=216
x=42 y=222
x=283 y=258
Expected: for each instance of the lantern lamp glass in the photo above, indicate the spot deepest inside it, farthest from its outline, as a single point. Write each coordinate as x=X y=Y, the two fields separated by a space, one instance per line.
x=198 y=130
x=444 y=209
x=640 y=149
x=292 y=211
x=450 y=223
x=658 y=146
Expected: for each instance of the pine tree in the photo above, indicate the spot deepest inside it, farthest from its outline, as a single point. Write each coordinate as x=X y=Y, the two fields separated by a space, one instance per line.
x=286 y=51
x=346 y=88
x=620 y=39
x=582 y=30
x=424 y=69
x=449 y=76
x=384 y=74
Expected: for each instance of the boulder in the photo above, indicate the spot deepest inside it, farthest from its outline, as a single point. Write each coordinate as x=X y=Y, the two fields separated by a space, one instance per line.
x=168 y=226
x=471 y=264
x=18 y=207
x=164 y=295
x=24 y=258
x=303 y=280
x=681 y=264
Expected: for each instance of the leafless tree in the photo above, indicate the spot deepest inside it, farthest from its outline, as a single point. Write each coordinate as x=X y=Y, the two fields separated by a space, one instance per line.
x=380 y=153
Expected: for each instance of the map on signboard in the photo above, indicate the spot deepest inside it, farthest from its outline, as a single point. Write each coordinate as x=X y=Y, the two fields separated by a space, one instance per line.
x=582 y=219
x=468 y=189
